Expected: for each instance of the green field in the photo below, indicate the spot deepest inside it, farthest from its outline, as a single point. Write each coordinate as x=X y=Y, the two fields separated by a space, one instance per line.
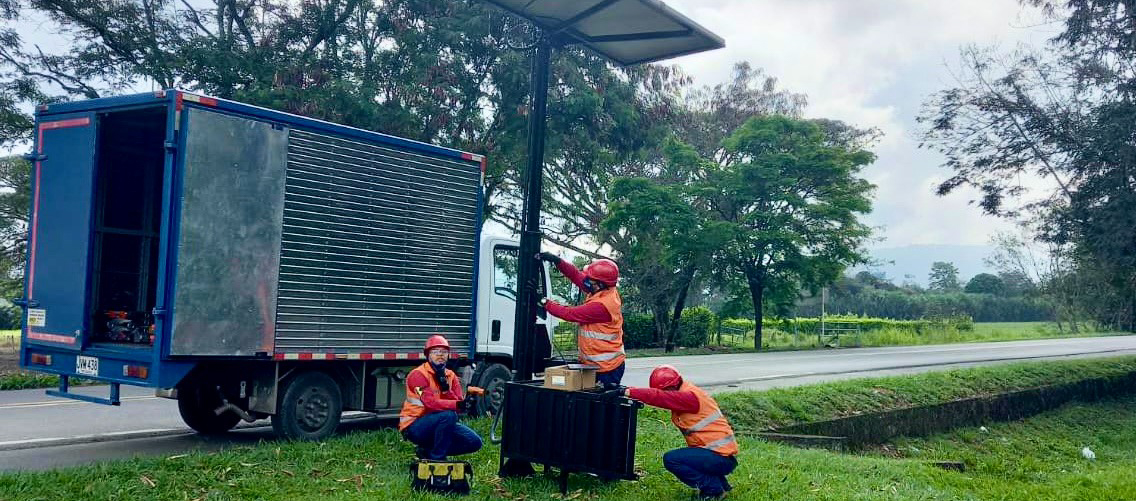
x=1041 y=462
x=777 y=339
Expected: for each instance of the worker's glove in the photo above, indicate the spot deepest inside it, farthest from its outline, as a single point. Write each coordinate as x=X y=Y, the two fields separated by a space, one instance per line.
x=548 y=256
x=612 y=395
x=467 y=404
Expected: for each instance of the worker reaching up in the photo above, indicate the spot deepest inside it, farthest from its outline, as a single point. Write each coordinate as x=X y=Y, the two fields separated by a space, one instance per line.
x=712 y=449
x=429 y=416
x=600 y=317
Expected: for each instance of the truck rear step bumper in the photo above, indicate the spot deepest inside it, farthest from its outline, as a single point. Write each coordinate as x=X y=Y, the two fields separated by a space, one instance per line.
x=63 y=392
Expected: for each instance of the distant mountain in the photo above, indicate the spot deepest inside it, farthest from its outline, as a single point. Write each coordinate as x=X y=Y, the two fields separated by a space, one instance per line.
x=895 y=263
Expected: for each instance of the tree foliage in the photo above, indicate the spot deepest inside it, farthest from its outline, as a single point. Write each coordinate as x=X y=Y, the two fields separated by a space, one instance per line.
x=985 y=283
x=665 y=240
x=1064 y=113
x=791 y=198
x=944 y=277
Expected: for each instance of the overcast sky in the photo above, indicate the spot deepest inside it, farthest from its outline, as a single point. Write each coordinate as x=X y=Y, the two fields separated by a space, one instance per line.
x=871 y=63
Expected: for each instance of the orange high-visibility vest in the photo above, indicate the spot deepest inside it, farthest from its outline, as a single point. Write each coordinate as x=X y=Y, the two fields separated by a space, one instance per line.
x=706 y=428
x=413 y=408
x=602 y=344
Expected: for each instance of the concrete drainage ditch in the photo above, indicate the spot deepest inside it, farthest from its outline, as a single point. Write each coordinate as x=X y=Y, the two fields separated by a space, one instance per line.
x=864 y=430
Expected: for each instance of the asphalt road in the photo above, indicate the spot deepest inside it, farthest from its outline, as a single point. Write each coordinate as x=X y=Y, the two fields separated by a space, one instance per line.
x=41 y=432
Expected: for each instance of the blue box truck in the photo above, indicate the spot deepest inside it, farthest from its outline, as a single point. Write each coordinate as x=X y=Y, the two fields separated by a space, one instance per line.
x=254 y=264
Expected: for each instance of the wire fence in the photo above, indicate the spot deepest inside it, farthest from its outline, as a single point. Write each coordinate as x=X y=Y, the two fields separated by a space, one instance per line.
x=831 y=333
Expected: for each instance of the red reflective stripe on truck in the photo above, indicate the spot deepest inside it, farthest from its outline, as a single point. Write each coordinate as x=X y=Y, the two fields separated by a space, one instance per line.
x=63 y=124
x=54 y=338
x=355 y=356
x=207 y=101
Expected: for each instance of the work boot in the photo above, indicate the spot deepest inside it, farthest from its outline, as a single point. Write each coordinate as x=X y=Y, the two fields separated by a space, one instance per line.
x=711 y=495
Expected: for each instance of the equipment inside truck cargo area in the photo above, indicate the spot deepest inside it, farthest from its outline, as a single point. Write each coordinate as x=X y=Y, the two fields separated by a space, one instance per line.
x=127 y=221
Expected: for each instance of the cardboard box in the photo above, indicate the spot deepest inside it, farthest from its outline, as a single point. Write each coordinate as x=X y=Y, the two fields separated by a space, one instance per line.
x=573 y=377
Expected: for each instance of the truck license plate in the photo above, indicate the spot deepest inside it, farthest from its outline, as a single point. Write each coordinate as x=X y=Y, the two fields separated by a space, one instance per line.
x=87 y=366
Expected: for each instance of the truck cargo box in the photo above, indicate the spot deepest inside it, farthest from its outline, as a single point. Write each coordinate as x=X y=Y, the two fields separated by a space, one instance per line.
x=167 y=227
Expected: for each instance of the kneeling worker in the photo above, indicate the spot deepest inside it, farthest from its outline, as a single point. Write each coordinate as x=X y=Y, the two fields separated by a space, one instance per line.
x=429 y=417
x=712 y=452
x=600 y=317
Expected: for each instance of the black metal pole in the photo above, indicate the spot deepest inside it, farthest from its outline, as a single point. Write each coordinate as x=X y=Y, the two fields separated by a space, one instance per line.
x=524 y=330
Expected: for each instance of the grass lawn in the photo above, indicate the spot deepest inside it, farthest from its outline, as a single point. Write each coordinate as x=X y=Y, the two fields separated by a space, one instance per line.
x=372 y=465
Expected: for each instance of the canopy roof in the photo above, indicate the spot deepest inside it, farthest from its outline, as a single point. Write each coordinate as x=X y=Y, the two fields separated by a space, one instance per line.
x=627 y=32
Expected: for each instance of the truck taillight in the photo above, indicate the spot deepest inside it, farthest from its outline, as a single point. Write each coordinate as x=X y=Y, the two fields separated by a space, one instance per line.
x=137 y=371
x=39 y=359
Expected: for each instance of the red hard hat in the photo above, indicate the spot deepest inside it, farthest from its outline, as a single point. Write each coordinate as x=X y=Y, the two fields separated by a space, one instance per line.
x=603 y=270
x=665 y=376
x=435 y=341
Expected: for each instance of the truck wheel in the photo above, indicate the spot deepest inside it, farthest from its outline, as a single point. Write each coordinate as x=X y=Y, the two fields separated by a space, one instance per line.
x=196 y=404
x=310 y=408
x=491 y=378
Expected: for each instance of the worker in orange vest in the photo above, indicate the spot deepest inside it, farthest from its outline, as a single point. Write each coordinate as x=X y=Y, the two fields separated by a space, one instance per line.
x=712 y=449
x=429 y=416
x=600 y=317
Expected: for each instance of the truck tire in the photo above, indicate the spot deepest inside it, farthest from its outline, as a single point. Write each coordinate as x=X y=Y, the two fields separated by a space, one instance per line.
x=492 y=378
x=309 y=409
x=196 y=404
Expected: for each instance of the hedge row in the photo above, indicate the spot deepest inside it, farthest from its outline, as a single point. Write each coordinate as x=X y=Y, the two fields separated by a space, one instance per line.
x=699 y=325
x=866 y=324
x=694 y=329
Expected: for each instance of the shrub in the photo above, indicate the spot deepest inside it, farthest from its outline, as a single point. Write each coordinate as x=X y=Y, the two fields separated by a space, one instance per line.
x=638 y=330
x=695 y=327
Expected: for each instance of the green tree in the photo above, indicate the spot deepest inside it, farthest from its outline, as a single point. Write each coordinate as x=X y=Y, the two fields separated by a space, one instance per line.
x=432 y=70
x=15 y=188
x=669 y=240
x=790 y=197
x=637 y=127
x=943 y=277
x=1065 y=113
x=986 y=283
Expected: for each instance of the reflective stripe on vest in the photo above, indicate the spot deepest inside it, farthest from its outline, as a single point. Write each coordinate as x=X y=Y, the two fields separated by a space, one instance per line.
x=707 y=427
x=720 y=442
x=600 y=357
x=412 y=407
x=597 y=335
x=602 y=343
x=716 y=415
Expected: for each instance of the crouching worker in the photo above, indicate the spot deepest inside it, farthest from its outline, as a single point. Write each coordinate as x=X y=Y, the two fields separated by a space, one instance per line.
x=712 y=450
x=429 y=417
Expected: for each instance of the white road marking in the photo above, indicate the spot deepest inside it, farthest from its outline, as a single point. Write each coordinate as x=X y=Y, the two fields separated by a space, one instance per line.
x=773 y=376
x=51 y=403
x=100 y=437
